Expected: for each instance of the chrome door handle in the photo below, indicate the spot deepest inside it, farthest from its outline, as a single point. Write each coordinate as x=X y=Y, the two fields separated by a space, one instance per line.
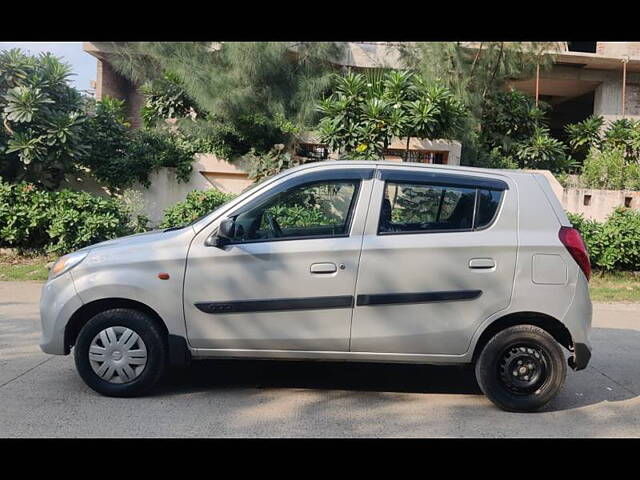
x=324 y=268
x=482 y=263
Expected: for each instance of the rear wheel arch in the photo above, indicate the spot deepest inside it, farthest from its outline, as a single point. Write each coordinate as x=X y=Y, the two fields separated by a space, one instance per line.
x=89 y=310
x=551 y=325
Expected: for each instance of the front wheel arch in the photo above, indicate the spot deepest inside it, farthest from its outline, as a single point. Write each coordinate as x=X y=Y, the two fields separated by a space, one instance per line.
x=91 y=309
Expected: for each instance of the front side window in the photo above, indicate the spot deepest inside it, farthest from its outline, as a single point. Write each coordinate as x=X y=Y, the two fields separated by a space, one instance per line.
x=409 y=207
x=320 y=209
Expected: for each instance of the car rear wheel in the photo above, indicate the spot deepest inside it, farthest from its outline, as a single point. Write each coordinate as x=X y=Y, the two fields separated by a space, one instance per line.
x=521 y=368
x=121 y=353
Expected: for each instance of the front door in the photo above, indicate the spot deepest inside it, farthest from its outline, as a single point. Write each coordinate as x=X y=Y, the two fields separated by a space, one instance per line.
x=286 y=280
x=438 y=258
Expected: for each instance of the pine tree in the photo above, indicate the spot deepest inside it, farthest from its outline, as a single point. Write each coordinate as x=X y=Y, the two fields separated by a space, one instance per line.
x=265 y=92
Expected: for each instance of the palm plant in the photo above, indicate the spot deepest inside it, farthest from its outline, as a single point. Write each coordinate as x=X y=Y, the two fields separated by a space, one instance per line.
x=42 y=118
x=585 y=134
x=362 y=116
x=474 y=72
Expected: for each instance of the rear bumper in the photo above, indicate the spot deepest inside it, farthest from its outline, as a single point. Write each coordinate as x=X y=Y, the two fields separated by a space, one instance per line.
x=581 y=356
x=578 y=322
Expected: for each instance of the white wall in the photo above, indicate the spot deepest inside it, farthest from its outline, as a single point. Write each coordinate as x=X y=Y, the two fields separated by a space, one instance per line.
x=208 y=171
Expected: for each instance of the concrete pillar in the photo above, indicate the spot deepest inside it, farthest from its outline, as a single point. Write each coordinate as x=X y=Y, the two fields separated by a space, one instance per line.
x=110 y=83
x=608 y=96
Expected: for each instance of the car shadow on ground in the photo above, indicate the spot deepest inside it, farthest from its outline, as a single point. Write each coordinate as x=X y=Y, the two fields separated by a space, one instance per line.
x=401 y=378
x=611 y=376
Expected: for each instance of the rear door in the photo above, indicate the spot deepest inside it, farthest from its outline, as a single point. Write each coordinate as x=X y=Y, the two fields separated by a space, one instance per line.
x=438 y=258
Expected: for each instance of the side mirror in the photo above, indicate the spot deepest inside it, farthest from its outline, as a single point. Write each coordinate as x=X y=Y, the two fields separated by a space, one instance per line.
x=227 y=229
x=225 y=232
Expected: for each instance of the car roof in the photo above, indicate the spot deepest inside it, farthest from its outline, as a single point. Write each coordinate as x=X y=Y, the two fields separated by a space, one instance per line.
x=423 y=166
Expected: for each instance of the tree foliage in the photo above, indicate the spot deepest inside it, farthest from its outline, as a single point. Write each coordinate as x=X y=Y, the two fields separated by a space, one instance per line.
x=166 y=98
x=49 y=131
x=514 y=135
x=612 y=159
x=42 y=118
x=264 y=92
x=362 y=115
x=475 y=73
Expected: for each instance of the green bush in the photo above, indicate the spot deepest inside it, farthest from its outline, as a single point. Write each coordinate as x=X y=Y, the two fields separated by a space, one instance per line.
x=24 y=216
x=197 y=204
x=58 y=222
x=613 y=244
x=262 y=166
x=607 y=169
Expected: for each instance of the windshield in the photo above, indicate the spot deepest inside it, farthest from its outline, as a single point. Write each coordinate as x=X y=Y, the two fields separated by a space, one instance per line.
x=246 y=192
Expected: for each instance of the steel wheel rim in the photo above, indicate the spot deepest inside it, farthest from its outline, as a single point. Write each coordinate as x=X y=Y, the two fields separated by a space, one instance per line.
x=524 y=368
x=117 y=355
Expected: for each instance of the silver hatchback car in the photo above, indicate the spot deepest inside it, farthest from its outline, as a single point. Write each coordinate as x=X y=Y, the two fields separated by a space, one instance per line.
x=343 y=261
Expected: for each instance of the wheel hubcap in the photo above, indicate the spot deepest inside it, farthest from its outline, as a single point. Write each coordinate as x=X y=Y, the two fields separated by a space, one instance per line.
x=117 y=355
x=523 y=369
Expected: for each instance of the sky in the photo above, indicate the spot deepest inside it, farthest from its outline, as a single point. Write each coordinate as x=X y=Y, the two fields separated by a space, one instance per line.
x=82 y=64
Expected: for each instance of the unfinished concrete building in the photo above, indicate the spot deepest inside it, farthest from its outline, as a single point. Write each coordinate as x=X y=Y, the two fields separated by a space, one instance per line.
x=601 y=78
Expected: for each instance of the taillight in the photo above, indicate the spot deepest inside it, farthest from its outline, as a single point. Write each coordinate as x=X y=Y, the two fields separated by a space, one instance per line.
x=572 y=240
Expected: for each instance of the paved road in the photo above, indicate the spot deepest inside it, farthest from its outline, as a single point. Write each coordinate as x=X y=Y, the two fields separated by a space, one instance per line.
x=41 y=395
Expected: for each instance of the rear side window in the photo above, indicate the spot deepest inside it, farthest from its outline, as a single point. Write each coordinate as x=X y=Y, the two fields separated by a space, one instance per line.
x=488 y=201
x=412 y=207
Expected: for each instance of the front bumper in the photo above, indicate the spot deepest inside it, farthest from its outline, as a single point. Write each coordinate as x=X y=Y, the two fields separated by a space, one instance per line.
x=58 y=302
x=581 y=356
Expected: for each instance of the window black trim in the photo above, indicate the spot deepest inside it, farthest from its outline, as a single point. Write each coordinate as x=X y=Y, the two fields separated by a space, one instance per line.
x=276 y=304
x=323 y=175
x=418 y=297
x=443 y=179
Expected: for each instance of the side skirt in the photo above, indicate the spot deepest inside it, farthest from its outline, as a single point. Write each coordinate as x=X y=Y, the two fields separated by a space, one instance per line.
x=202 y=353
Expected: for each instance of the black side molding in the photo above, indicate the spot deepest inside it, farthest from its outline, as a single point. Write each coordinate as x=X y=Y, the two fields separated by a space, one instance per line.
x=419 y=297
x=277 y=304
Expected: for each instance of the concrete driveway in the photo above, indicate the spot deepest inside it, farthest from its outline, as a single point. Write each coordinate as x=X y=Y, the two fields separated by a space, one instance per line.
x=42 y=396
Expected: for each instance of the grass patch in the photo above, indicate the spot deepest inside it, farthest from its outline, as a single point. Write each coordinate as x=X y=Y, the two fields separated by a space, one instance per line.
x=615 y=287
x=17 y=268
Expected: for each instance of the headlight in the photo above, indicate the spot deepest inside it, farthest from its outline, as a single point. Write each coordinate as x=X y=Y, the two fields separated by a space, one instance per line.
x=66 y=263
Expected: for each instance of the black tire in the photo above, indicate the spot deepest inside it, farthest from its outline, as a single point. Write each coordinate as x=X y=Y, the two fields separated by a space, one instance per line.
x=156 y=352
x=526 y=386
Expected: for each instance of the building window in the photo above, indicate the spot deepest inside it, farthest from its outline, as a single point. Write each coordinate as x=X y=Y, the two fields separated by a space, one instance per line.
x=584 y=47
x=315 y=151
x=627 y=201
x=587 y=200
x=419 y=156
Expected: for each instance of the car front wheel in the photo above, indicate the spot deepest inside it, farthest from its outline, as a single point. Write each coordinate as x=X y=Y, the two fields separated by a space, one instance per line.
x=121 y=353
x=521 y=368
